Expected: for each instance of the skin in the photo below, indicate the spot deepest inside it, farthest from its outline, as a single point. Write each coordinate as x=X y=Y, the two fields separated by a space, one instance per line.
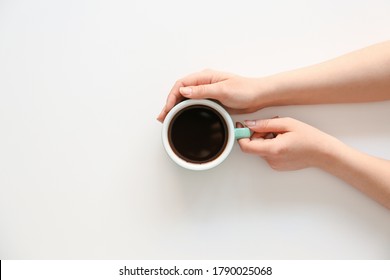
x=288 y=144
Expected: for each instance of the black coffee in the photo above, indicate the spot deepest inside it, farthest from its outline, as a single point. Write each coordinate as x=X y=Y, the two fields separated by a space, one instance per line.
x=198 y=134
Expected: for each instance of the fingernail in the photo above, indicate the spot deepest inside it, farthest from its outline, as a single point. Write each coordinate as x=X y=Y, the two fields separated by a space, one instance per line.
x=185 y=91
x=159 y=117
x=250 y=123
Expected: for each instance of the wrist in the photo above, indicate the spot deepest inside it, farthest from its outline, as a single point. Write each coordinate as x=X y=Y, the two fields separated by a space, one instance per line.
x=263 y=92
x=270 y=91
x=331 y=155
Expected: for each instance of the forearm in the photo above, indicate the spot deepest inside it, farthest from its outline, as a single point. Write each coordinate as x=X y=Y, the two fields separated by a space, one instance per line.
x=368 y=174
x=360 y=76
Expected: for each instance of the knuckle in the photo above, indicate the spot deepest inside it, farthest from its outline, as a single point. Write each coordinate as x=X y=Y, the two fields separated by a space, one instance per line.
x=178 y=83
x=200 y=90
x=221 y=92
x=244 y=148
x=223 y=88
x=274 y=166
x=264 y=123
x=278 y=150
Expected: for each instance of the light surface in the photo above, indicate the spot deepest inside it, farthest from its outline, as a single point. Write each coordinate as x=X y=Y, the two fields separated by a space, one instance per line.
x=83 y=173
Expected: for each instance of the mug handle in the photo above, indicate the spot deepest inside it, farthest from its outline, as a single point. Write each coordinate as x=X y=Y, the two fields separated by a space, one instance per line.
x=242 y=133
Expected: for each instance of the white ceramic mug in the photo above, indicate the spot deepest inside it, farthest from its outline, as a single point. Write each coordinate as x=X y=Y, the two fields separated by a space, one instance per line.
x=232 y=134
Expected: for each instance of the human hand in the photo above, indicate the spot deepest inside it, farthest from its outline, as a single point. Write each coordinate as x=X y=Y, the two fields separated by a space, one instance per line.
x=293 y=145
x=238 y=94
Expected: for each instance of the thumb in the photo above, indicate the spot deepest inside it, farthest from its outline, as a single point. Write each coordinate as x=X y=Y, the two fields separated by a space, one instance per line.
x=201 y=91
x=278 y=125
x=258 y=146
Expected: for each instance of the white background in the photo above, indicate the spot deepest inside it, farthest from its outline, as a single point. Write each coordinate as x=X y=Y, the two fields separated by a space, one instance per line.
x=83 y=173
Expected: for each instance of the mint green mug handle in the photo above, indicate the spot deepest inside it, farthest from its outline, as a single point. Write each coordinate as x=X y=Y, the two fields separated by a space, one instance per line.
x=242 y=133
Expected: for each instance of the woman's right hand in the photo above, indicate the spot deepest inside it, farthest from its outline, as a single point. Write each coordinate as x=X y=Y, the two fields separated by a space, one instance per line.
x=238 y=94
x=294 y=144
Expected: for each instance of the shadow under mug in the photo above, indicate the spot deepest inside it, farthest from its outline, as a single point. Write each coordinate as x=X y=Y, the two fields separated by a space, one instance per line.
x=232 y=134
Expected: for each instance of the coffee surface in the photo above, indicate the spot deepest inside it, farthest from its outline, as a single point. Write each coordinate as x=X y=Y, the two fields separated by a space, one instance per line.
x=198 y=134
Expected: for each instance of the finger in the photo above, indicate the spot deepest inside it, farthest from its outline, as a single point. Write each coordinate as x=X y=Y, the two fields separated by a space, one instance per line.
x=179 y=93
x=204 y=84
x=173 y=98
x=195 y=79
x=202 y=91
x=249 y=145
x=201 y=78
x=259 y=135
x=255 y=135
x=239 y=125
x=257 y=146
x=206 y=76
x=162 y=115
x=278 y=125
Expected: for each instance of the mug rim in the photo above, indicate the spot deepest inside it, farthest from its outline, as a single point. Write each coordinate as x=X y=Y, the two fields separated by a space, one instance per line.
x=198 y=166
